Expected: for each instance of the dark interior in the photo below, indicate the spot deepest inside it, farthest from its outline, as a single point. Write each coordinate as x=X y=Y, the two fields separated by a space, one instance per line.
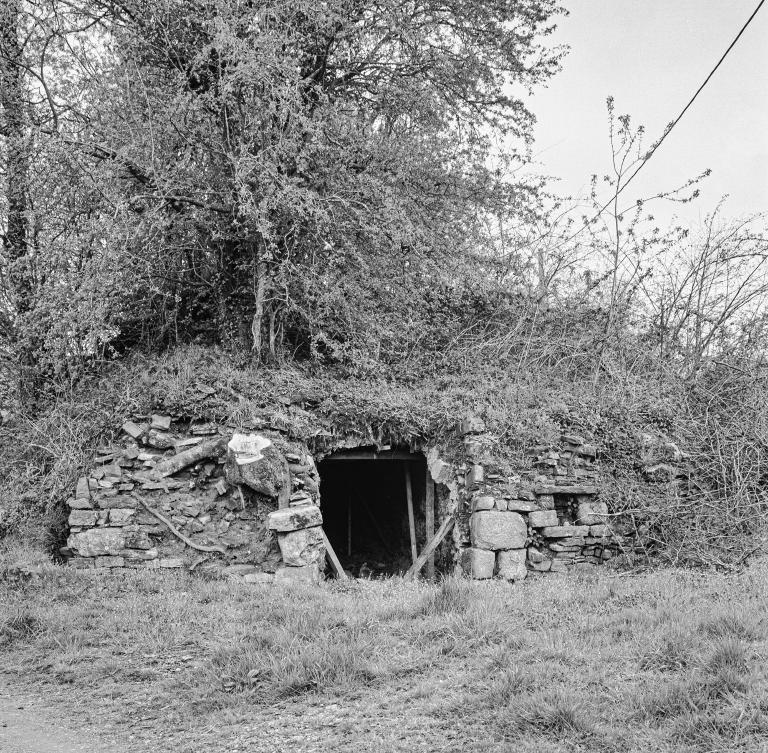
x=365 y=510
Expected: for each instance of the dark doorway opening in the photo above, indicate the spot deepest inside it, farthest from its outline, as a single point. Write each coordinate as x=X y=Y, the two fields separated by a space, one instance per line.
x=364 y=499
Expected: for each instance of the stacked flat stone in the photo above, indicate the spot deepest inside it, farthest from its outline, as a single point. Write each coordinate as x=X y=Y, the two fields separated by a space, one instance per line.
x=300 y=537
x=515 y=525
x=213 y=502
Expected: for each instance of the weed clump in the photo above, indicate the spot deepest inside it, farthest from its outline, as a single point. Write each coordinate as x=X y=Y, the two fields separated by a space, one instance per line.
x=453 y=596
x=19 y=626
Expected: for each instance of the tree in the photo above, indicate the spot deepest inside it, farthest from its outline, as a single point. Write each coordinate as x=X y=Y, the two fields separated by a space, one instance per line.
x=289 y=176
x=15 y=233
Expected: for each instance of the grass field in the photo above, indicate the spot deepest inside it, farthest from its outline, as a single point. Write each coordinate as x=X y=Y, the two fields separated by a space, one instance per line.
x=604 y=661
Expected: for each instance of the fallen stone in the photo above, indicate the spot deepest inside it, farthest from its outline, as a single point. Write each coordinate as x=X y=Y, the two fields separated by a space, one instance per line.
x=591 y=513
x=294 y=518
x=221 y=487
x=540 y=567
x=134 y=430
x=288 y=575
x=163 y=423
x=478 y=563
x=572 y=439
x=302 y=547
x=498 y=530
x=558 y=566
x=542 y=519
x=510 y=564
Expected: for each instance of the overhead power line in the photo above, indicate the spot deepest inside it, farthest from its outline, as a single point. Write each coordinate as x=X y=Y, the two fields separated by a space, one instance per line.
x=690 y=102
x=668 y=130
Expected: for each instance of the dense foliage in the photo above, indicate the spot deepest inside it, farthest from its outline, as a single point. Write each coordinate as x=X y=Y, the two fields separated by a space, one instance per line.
x=296 y=178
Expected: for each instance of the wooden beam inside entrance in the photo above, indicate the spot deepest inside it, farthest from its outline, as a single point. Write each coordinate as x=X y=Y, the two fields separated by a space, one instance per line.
x=430 y=547
x=411 y=519
x=333 y=559
x=429 y=515
x=369 y=455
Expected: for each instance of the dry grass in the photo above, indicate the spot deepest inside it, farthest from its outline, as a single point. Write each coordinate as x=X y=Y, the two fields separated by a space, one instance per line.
x=666 y=661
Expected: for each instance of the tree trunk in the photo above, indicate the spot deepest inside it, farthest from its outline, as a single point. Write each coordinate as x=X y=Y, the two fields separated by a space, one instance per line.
x=258 y=313
x=15 y=240
x=17 y=158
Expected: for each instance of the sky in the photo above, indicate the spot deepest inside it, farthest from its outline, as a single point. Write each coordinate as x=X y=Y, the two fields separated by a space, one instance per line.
x=652 y=55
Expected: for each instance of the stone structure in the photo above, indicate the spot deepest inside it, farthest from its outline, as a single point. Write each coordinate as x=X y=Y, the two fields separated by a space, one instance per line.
x=173 y=493
x=545 y=518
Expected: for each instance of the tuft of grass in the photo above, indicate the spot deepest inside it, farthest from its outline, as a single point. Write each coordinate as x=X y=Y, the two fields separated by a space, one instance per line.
x=557 y=715
x=453 y=596
x=22 y=625
x=672 y=654
x=729 y=625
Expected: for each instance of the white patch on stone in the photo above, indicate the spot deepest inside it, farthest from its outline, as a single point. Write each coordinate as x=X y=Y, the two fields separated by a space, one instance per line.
x=247 y=448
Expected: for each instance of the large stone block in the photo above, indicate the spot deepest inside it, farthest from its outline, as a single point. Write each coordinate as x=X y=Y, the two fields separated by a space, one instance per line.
x=495 y=530
x=591 y=513
x=294 y=518
x=510 y=564
x=97 y=542
x=307 y=574
x=478 y=563
x=303 y=547
x=254 y=460
x=543 y=518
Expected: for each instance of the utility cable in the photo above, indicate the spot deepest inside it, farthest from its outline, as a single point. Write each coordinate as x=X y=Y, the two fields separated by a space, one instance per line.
x=669 y=128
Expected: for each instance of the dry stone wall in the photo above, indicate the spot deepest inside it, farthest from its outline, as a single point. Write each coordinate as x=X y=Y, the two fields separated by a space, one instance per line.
x=546 y=518
x=174 y=493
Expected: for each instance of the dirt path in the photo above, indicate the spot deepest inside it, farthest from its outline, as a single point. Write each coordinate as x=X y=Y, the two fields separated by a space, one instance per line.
x=27 y=726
